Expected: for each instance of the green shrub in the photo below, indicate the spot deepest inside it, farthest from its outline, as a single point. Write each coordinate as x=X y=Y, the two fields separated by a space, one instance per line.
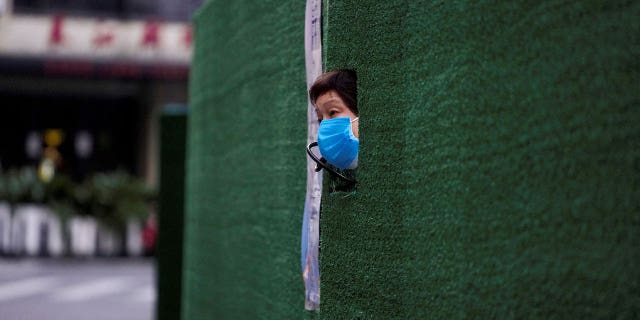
x=116 y=197
x=23 y=186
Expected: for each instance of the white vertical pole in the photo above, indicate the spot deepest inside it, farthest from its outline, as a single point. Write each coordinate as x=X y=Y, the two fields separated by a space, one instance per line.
x=311 y=219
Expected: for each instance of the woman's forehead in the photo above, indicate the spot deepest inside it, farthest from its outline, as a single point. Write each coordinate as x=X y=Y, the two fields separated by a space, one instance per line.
x=329 y=98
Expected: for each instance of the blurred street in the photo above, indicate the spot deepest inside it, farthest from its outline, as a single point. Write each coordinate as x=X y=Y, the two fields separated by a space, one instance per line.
x=70 y=289
x=84 y=86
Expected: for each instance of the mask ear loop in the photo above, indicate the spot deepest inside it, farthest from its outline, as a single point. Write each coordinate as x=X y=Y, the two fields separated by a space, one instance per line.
x=322 y=164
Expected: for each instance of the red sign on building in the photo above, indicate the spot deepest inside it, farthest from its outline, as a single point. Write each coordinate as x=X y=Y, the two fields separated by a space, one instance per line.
x=150 y=37
x=56 y=36
x=104 y=35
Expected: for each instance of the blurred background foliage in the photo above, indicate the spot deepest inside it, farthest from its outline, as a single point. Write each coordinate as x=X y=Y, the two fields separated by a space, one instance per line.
x=117 y=197
x=111 y=197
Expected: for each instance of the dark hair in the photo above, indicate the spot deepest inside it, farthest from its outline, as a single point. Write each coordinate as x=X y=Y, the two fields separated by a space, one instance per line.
x=343 y=81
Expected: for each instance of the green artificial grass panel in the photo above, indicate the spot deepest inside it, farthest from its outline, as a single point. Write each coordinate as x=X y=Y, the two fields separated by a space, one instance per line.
x=246 y=162
x=499 y=155
x=173 y=141
x=362 y=255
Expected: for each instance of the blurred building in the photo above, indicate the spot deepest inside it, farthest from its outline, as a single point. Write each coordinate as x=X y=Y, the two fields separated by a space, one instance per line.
x=82 y=82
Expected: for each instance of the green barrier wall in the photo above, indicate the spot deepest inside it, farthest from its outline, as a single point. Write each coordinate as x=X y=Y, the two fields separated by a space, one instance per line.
x=499 y=168
x=169 y=250
x=246 y=162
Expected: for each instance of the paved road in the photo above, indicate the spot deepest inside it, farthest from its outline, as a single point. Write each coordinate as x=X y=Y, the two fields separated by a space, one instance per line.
x=97 y=289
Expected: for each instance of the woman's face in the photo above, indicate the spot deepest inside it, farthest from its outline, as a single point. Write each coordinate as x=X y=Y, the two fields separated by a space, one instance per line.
x=329 y=105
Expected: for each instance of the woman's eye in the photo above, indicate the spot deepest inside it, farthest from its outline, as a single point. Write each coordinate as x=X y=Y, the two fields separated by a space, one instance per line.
x=333 y=113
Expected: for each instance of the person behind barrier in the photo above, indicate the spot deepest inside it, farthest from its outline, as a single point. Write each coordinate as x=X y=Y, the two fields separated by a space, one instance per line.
x=334 y=95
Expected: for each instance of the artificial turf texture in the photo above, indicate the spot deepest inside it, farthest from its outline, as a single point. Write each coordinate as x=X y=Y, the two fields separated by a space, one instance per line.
x=499 y=165
x=499 y=162
x=246 y=164
x=169 y=248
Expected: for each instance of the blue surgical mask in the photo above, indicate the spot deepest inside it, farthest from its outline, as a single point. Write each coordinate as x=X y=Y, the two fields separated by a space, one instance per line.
x=337 y=143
